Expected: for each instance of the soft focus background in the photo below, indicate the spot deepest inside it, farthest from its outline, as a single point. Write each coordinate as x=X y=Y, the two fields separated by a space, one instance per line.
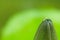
x=19 y=19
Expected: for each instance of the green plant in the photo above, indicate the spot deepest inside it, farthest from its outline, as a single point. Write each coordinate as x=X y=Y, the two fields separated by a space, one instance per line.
x=46 y=31
x=23 y=25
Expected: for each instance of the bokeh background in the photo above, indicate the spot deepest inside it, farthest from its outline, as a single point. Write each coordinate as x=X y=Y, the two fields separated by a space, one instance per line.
x=19 y=19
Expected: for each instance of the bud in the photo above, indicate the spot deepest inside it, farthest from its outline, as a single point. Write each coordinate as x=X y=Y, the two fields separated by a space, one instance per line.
x=46 y=31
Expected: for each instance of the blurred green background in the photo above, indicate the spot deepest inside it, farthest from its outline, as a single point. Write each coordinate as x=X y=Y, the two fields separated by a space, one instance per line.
x=10 y=7
x=27 y=14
